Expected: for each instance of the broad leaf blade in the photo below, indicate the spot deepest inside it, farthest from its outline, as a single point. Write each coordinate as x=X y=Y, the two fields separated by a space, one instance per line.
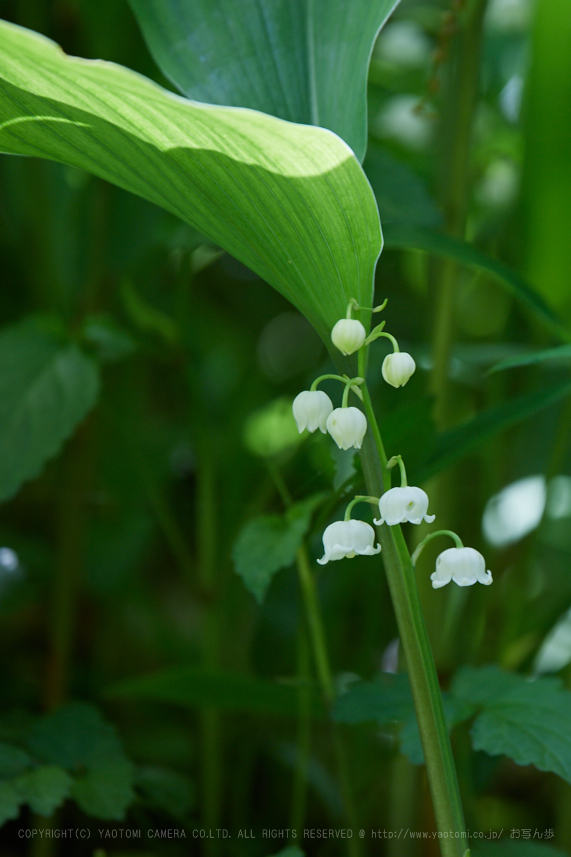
x=290 y=201
x=301 y=60
x=47 y=386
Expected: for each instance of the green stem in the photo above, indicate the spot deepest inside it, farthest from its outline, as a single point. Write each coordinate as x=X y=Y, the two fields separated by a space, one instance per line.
x=456 y=133
x=317 y=633
x=397 y=459
x=359 y=499
x=299 y=794
x=420 y=547
x=325 y=677
x=211 y=725
x=420 y=662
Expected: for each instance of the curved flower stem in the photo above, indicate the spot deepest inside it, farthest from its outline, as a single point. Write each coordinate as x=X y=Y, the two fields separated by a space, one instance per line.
x=326 y=378
x=419 y=659
x=378 y=332
x=359 y=499
x=429 y=537
x=397 y=459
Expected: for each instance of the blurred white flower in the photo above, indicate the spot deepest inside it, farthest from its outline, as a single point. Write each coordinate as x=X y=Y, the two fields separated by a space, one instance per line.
x=509 y=15
x=404 y=119
x=347 y=427
x=347 y=539
x=404 y=44
x=404 y=504
x=348 y=335
x=311 y=409
x=465 y=566
x=397 y=368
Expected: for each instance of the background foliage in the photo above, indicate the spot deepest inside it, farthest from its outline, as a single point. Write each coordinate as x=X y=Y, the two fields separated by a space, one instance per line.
x=145 y=386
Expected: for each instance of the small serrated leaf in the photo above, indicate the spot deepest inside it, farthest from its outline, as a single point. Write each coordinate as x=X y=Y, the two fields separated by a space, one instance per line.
x=47 y=386
x=106 y=790
x=44 y=789
x=269 y=543
x=73 y=736
x=13 y=760
x=525 y=720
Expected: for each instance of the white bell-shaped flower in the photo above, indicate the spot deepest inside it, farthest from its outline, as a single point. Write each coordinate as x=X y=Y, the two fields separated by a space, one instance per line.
x=404 y=504
x=347 y=539
x=311 y=409
x=348 y=335
x=347 y=427
x=465 y=566
x=397 y=368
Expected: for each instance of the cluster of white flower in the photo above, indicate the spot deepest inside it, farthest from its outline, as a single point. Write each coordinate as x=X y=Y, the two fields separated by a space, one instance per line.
x=313 y=409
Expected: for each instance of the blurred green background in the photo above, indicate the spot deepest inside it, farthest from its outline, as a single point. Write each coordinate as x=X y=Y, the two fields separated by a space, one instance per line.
x=117 y=560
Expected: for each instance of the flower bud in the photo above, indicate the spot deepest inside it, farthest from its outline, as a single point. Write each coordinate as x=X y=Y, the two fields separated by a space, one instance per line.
x=311 y=409
x=465 y=566
x=348 y=335
x=346 y=539
x=397 y=368
x=347 y=427
x=404 y=504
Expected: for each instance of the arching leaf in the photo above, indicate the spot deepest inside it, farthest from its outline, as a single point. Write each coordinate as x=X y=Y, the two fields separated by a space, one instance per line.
x=301 y=60
x=290 y=201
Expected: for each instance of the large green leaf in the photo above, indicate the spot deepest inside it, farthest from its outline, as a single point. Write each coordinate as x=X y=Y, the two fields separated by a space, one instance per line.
x=47 y=386
x=290 y=201
x=301 y=60
x=417 y=238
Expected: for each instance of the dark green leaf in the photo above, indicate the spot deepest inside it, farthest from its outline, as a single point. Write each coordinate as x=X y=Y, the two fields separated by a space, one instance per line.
x=13 y=760
x=412 y=238
x=106 y=789
x=10 y=800
x=167 y=790
x=269 y=543
x=194 y=687
x=525 y=720
x=480 y=685
x=47 y=386
x=44 y=789
x=73 y=736
x=305 y=61
x=385 y=698
x=562 y=353
x=454 y=444
x=530 y=724
x=290 y=201
x=388 y=698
